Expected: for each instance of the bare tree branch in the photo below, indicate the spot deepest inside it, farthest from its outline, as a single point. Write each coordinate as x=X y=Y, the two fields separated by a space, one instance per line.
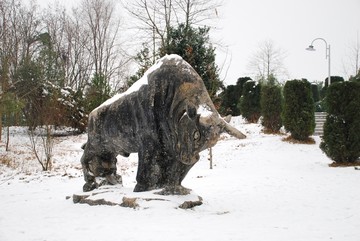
x=268 y=62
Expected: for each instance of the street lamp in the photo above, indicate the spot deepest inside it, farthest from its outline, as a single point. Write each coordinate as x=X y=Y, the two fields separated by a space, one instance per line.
x=327 y=54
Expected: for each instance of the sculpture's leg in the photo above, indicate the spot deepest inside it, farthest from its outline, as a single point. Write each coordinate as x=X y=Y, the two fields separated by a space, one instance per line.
x=174 y=174
x=149 y=171
x=99 y=165
x=108 y=169
x=89 y=177
x=158 y=170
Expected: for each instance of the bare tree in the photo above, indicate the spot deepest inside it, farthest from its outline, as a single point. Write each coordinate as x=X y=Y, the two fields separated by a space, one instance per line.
x=3 y=57
x=53 y=21
x=103 y=27
x=195 y=12
x=42 y=144
x=267 y=63
x=155 y=18
x=88 y=41
x=19 y=25
x=352 y=65
x=78 y=61
x=70 y=39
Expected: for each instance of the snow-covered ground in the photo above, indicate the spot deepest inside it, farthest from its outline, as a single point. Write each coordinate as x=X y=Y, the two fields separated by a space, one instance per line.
x=260 y=188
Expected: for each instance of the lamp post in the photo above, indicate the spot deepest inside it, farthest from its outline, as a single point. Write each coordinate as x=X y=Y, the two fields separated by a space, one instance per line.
x=327 y=54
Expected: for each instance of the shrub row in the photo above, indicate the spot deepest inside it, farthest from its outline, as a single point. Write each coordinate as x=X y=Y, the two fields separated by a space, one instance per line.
x=341 y=140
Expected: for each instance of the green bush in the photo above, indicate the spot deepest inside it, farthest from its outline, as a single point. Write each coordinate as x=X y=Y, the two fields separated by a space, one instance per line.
x=298 y=114
x=334 y=79
x=271 y=107
x=250 y=101
x=230 y=98
x=341 y=140
x=97 y=93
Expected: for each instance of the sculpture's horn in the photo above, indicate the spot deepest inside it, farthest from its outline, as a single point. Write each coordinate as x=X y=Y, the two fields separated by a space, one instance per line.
x=206 y=121
x=233 y=131
x=208 y=116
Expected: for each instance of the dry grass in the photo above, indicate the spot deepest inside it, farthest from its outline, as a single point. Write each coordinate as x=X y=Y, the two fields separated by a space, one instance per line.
x=355 y=164
x=308 y=141
x=271 y=132
x=7 y=161
x=129 y=202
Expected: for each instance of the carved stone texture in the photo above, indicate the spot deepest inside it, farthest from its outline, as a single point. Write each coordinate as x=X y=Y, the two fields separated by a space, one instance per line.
x=167 y=117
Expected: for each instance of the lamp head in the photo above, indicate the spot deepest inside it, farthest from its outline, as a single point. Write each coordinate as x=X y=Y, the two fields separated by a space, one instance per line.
x=310 y=48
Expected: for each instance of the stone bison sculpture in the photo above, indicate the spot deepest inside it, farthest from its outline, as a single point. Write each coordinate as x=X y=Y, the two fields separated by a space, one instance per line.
x=167 y=117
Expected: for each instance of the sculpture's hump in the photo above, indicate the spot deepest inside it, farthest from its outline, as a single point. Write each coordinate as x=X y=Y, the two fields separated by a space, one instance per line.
x=144 y=80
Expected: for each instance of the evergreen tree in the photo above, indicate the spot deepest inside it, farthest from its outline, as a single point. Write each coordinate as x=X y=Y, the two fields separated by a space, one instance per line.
x=29 y=82
x=145 y=61
x=230 y=98
x=271 y=107
x=70 y=108
x=228 y=101
x=250 y=101
x=341 y=140
x=334 y=79
x=98 y=92
x=319 y=102
x=36 y=80
x=298 y=115
x=193 y=45
x=355 y=78
x=315 y=92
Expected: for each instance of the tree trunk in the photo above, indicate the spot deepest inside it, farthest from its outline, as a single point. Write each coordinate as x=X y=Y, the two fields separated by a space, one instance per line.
x=210 y=158
x=0 y=126
x=7 y=137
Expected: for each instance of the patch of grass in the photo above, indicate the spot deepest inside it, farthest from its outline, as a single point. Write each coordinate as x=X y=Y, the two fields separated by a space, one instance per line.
x=355 y=164
x=308 y=141
x=272 y=132
x=7 y=161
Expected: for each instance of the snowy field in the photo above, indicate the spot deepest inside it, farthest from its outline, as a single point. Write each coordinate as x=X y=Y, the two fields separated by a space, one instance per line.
x=260 y=189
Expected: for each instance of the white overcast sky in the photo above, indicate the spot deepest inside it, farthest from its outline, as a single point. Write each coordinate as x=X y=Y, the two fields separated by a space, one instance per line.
x=291 y=24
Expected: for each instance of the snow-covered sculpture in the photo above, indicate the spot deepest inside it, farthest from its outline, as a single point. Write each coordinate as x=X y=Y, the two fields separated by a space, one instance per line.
x=167 y=117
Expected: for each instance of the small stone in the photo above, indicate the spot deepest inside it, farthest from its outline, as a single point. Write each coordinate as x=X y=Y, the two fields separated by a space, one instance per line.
x=79 y=198
x=190 y=204
x=129 y=202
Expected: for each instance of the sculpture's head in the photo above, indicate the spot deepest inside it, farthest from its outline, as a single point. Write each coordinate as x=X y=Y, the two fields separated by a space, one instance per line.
x=201 y=129
x=187 y=118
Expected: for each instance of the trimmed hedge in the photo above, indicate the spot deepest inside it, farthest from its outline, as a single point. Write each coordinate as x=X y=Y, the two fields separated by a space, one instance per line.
x=250 y=101
x=298 y=114
x=341 y=140
x=271 y=108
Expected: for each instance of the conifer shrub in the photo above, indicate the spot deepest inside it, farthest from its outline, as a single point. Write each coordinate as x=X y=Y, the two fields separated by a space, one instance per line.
x=230 y=98
x=250 y=101
x=97 y=92
x=341 y=140
x=298 y=114
x=271 y=108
